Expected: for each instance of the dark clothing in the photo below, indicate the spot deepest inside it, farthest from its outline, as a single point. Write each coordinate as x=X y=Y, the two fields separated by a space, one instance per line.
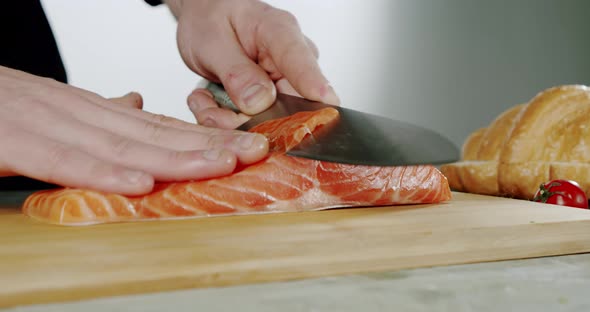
x=27 y=40
x=154 y=2
x=27 y=43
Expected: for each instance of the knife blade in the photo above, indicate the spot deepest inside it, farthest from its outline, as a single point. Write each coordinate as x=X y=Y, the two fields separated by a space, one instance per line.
x=356 y=138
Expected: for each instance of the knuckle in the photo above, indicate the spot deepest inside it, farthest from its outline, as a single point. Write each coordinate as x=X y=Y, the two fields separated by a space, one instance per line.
x=162 y=123
x=161 y=119
x=239 y=75
x=49 y=81
x=37 y=107
x=286 y=17
x=177 y=123
x=216 y=141
x=155 y=129
x=46 y=100
x=291 y=49
x=177 y=156
x=27 y=102
x=120 y=146
x=291 y=54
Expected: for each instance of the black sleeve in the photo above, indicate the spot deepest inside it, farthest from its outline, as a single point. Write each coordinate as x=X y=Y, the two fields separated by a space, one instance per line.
x=27 y=40
x=153 y=2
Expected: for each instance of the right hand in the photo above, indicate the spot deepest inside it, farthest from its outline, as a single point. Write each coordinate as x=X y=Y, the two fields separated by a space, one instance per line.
x=64 y=135
x=254 y=50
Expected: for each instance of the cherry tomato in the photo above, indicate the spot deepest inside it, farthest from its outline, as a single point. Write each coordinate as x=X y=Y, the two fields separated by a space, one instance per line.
x=563 y=193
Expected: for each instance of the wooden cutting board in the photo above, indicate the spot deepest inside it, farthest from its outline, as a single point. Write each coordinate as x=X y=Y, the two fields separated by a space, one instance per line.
x=45 y=263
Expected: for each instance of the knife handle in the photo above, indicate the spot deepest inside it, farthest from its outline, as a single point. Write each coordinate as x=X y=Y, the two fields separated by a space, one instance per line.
x=219 y=95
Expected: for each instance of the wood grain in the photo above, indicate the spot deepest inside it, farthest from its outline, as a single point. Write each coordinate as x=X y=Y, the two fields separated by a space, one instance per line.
x=42 y=263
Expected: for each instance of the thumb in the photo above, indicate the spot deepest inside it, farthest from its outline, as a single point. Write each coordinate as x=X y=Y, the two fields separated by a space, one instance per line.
x=247 y=84
x=131 y=100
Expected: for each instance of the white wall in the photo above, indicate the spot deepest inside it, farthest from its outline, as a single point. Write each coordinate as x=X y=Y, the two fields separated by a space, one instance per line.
x=111 y=46
x=448 y=65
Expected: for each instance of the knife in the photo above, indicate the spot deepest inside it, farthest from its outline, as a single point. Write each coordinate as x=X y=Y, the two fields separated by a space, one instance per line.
x=356 y=138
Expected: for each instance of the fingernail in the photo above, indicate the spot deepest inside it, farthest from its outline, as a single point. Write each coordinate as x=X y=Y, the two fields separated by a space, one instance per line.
x=209 y=123
x=329 y=95
x=192 y=104
x=212 y=154
x=255 y=95
x=134 y=176
x=246 y=140
x=207 y=93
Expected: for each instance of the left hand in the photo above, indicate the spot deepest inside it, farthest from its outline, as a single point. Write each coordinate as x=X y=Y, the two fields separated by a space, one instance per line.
x=253 y=49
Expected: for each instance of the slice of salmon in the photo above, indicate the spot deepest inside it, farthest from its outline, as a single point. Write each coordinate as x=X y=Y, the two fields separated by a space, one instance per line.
x=279 y=183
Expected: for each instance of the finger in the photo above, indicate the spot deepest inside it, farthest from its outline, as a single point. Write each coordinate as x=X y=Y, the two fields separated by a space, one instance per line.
x=245 y=82
x=169 y=153
x=208 y=114
x=164 y=164
x=197 y=100
x=221 y=118
x=48 y=87
x=149 y=128
x=165 y=121
x=267 y=63
x=131 y=100
x=281 y=38
x=54 y=162
x=248 y=147
x=283 y=86
x=313 y=47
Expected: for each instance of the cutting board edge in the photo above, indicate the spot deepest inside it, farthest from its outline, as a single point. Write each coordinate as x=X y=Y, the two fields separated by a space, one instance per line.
x=281 y=274
x=149 y=288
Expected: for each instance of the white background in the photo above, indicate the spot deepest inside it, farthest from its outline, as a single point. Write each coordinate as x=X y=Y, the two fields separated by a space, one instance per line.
x=448 y=65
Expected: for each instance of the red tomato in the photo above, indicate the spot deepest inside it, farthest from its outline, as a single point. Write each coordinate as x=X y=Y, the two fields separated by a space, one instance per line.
x=563 y=193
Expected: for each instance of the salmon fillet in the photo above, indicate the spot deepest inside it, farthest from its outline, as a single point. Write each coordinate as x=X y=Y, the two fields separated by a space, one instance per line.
x=279 y=183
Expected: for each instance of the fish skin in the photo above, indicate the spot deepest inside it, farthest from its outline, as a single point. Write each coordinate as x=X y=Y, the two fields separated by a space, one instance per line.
x=278 y=183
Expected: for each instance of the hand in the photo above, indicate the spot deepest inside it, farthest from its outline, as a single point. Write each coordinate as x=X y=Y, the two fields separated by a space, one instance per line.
x=253 y=49
x=63 y=135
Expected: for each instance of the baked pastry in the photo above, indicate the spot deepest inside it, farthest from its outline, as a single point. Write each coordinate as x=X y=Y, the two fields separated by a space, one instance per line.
x=529 y=144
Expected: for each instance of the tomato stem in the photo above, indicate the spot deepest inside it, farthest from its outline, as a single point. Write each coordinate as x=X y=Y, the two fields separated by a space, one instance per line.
x=544 y=192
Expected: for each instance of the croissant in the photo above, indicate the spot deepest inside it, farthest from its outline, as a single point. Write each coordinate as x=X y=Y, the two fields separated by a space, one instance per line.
x=531 y=143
